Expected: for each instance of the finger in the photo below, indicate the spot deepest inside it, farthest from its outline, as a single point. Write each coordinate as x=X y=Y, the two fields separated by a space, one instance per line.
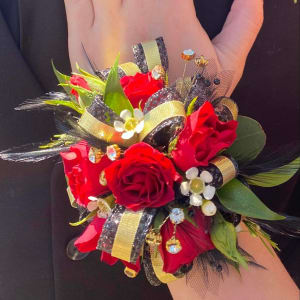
x=241 y=28
x=80 y=15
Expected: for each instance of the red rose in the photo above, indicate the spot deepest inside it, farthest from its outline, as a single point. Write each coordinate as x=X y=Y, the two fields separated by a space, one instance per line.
x=202 y=138
x=193 y=240
x=83 y=175
x=78 y=81
x=143 y=178
x=140 y=87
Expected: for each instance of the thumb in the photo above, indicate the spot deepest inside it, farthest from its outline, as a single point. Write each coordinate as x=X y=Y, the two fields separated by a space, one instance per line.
x=241 y=28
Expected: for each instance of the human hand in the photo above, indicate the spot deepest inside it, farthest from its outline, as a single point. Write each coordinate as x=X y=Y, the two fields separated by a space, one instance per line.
x=107 y=27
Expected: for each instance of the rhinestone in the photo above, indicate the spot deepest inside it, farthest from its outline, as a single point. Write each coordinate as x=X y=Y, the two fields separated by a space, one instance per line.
x=113 y=152
x=196 y=185
x=95 y=155
x=209 y=208
x=102 y=179
x=192 y=173
x=188 y=54
x=196 y=200
x=130 y=273
x=177 y=215
x=173 y=246
x=158 y=72
x=209 y=192
x=92 y=206
x=206 y=176
x=185 y=188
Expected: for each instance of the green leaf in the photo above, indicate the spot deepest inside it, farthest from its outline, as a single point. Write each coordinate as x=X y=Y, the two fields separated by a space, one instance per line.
x=172 y=144
x=85 y=73
x=57 y=102
x=95 y=84
x=114 y=96
x=275 y=177
x=188 y=218
x=86 y=96
x=238 y=198
x=223 y=236
x=159 y=220
x=190 y=108
x=62 y=79
x=250 y=141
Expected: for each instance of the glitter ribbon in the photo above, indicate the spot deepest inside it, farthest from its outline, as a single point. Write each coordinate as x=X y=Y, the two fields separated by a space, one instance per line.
x=158 y=264
x=103 y=131
x=226 y=167
x=124 y=233
x=231 y=106
x=161 y=113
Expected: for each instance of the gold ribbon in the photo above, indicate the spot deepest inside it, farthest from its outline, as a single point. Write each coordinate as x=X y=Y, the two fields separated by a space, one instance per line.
x=103 y=131
x=226 y=167
x=125 y=234
x=157 y=264
x=232 y=107
x=130 y=68
x=161 y=113
x=152 y=55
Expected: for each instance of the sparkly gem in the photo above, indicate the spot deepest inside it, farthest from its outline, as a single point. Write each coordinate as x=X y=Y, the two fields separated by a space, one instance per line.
x=153 y=238
x=185 y=188
x=196 y=200
x=102 y=179
x=130 y=273
x=209 y=208
x=192 y=173
x=188 y=54
x=206 y=176
x=95 y=155
x=209 y=192
x=177 y=215
x=113 y=152
x=92 y=206
x=201 y=61
x=158 y=72
x=196 y=185
x=173 y=245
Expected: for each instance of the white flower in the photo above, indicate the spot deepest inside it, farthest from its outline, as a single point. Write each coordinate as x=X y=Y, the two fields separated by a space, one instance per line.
x=132 y=123
x=198 y=186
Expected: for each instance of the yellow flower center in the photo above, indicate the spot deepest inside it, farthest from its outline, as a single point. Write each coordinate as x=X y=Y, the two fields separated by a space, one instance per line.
x=196 y=186
x=130 y=124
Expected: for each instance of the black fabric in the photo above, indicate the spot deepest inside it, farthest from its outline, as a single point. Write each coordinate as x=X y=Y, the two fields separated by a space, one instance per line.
x=34 y=226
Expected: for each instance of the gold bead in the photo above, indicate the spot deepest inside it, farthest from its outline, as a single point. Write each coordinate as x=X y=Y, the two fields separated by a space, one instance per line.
x=201 y=61
x=188 y=54
x=130 y=273
x=173 y=245
x=153 y=238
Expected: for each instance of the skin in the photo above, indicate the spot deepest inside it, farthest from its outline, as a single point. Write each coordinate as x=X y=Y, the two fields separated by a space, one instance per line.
x=109 y=27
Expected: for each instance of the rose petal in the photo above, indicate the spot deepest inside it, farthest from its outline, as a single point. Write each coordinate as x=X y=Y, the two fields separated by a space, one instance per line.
x=127 y=135
x=119 y=126
x=125 y=114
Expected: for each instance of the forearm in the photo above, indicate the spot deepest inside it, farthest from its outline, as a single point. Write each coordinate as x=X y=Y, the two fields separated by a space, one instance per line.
x=272 y=283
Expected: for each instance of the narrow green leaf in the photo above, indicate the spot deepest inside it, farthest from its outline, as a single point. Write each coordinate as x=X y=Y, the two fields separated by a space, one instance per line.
x=86 y=97
x=188 y=218
x=85 y=73
x=223 y=236
x=89 y=216
x=114 y=96
x=158 y=220
x=172 y=145
x=62 y=79
x=238 y=198
x=250 y=141
x=57 y=102
x=190 y=108
x=276 y=176
x=95 y=84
